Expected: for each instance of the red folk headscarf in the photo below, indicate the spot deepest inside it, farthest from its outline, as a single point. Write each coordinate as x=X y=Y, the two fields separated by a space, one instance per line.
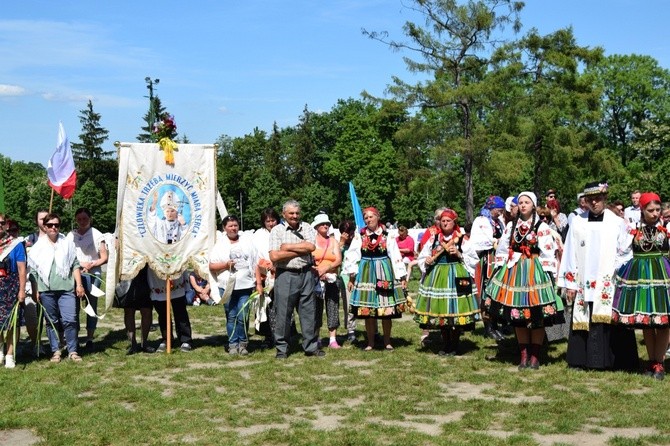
x=647 y=198
x=373 y=210
x=450 y=213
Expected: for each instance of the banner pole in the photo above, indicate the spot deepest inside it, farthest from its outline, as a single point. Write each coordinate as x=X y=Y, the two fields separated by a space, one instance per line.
x=51 y=201
x=169 y=319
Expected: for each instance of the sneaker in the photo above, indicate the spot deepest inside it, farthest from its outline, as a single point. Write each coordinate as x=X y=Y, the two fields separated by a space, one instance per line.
x=186 y=347
x=162 y=347
x=667 y=353
x=196 y=303
x=334 y=345
x=243 y=350
x=659 y=371
x=280 y=355
x=351 y=337
x=9 y=362
x=2 y=358
x=316 y=354
x=233 y=349
x=210 y=302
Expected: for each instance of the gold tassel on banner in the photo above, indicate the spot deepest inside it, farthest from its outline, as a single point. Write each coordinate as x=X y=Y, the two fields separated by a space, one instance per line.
x=169 y=147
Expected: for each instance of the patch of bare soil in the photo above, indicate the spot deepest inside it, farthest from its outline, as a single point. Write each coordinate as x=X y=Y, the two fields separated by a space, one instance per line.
x=257 y=428
x=581 y=438
x=18 y=437
x=426 y=424
x=465 y=391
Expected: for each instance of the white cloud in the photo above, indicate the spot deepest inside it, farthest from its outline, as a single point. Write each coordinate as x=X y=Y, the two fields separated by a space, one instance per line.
x=223 y=109
x=67 y=97
x=11 y=90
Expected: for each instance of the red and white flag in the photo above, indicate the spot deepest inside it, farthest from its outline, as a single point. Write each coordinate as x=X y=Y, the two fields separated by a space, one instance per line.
x=60 y=170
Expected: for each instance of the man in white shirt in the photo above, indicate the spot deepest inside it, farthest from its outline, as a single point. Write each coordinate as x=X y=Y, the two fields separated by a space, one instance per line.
x=632 y=213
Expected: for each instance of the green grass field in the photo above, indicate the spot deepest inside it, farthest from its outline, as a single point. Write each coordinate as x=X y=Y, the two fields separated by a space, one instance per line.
x=407 y=397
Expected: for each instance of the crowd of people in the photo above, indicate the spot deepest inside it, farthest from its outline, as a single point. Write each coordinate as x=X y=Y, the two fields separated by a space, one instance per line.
x=522 y=267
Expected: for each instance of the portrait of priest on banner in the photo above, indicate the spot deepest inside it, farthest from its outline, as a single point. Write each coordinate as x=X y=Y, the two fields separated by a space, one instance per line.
x=168 y=216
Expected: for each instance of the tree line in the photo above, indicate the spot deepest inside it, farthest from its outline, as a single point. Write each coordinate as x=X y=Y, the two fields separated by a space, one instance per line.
x=496 y=113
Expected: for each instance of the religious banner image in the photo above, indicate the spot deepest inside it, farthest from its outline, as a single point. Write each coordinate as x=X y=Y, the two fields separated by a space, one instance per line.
x=167 y=211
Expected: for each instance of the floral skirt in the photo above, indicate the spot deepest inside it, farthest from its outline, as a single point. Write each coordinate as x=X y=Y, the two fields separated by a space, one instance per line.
x=642 y=295
x=9 y=291
x=375 y=293
x=524 y=295
x=447 y=297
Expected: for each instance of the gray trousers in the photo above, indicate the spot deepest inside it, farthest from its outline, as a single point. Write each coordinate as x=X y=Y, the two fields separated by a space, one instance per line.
x=295 y=290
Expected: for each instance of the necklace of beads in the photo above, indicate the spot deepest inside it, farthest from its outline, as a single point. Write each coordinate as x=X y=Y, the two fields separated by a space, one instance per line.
x=517 y=236
x=648 y=241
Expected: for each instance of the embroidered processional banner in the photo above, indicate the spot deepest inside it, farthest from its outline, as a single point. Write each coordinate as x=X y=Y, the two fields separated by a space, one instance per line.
x=165 y=212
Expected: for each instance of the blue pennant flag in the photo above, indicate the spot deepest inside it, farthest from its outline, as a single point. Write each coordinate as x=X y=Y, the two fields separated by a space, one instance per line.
x=358 y=212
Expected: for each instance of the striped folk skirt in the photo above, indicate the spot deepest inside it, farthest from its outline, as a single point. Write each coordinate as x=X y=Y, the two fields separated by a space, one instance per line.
x=376 y=293
x=524 y=295
x=642 y=295
x=447 y=298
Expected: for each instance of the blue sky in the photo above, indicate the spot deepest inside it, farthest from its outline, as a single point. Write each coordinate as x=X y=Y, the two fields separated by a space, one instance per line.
x=226 y=67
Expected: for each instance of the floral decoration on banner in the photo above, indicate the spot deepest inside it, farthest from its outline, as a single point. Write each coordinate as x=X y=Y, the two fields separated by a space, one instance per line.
x=162 y=132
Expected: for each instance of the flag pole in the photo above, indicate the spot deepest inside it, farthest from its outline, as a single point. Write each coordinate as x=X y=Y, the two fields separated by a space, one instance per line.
x=169 y=319
x=51 y=201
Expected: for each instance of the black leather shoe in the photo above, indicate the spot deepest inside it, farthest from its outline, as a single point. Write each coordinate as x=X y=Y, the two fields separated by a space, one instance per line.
x=318 y=353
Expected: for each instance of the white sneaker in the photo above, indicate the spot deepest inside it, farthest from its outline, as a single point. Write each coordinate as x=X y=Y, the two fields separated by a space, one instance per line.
x=9 y=362
x=667 y=353
x=2 y=358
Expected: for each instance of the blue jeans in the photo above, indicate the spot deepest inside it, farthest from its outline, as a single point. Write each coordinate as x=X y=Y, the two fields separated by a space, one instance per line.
x=236 y=317
x=61 y=311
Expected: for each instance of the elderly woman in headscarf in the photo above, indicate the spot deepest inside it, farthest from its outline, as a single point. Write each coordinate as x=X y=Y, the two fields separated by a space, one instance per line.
x=447 y=296
x=484 y=235
x=522 y=291
x=375 y=267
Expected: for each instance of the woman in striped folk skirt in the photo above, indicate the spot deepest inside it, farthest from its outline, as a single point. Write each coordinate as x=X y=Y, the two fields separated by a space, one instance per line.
x=377 y=278
x=642 y=295
x=447 y=296
x=522 y=291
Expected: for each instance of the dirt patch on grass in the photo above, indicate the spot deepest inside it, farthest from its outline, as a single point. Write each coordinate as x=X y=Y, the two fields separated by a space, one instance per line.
x=256 y=429
x=356 y=364
x=466 y=391
x=241 y=363
x=426 y=424
x=203 y=365
x=581 y=438
x=18 y=437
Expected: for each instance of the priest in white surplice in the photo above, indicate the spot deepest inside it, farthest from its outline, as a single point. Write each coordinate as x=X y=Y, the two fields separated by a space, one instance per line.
x=594 y=248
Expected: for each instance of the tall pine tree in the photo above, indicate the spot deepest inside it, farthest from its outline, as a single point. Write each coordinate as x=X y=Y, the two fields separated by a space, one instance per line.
x=92 y=137
x=88 y=154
